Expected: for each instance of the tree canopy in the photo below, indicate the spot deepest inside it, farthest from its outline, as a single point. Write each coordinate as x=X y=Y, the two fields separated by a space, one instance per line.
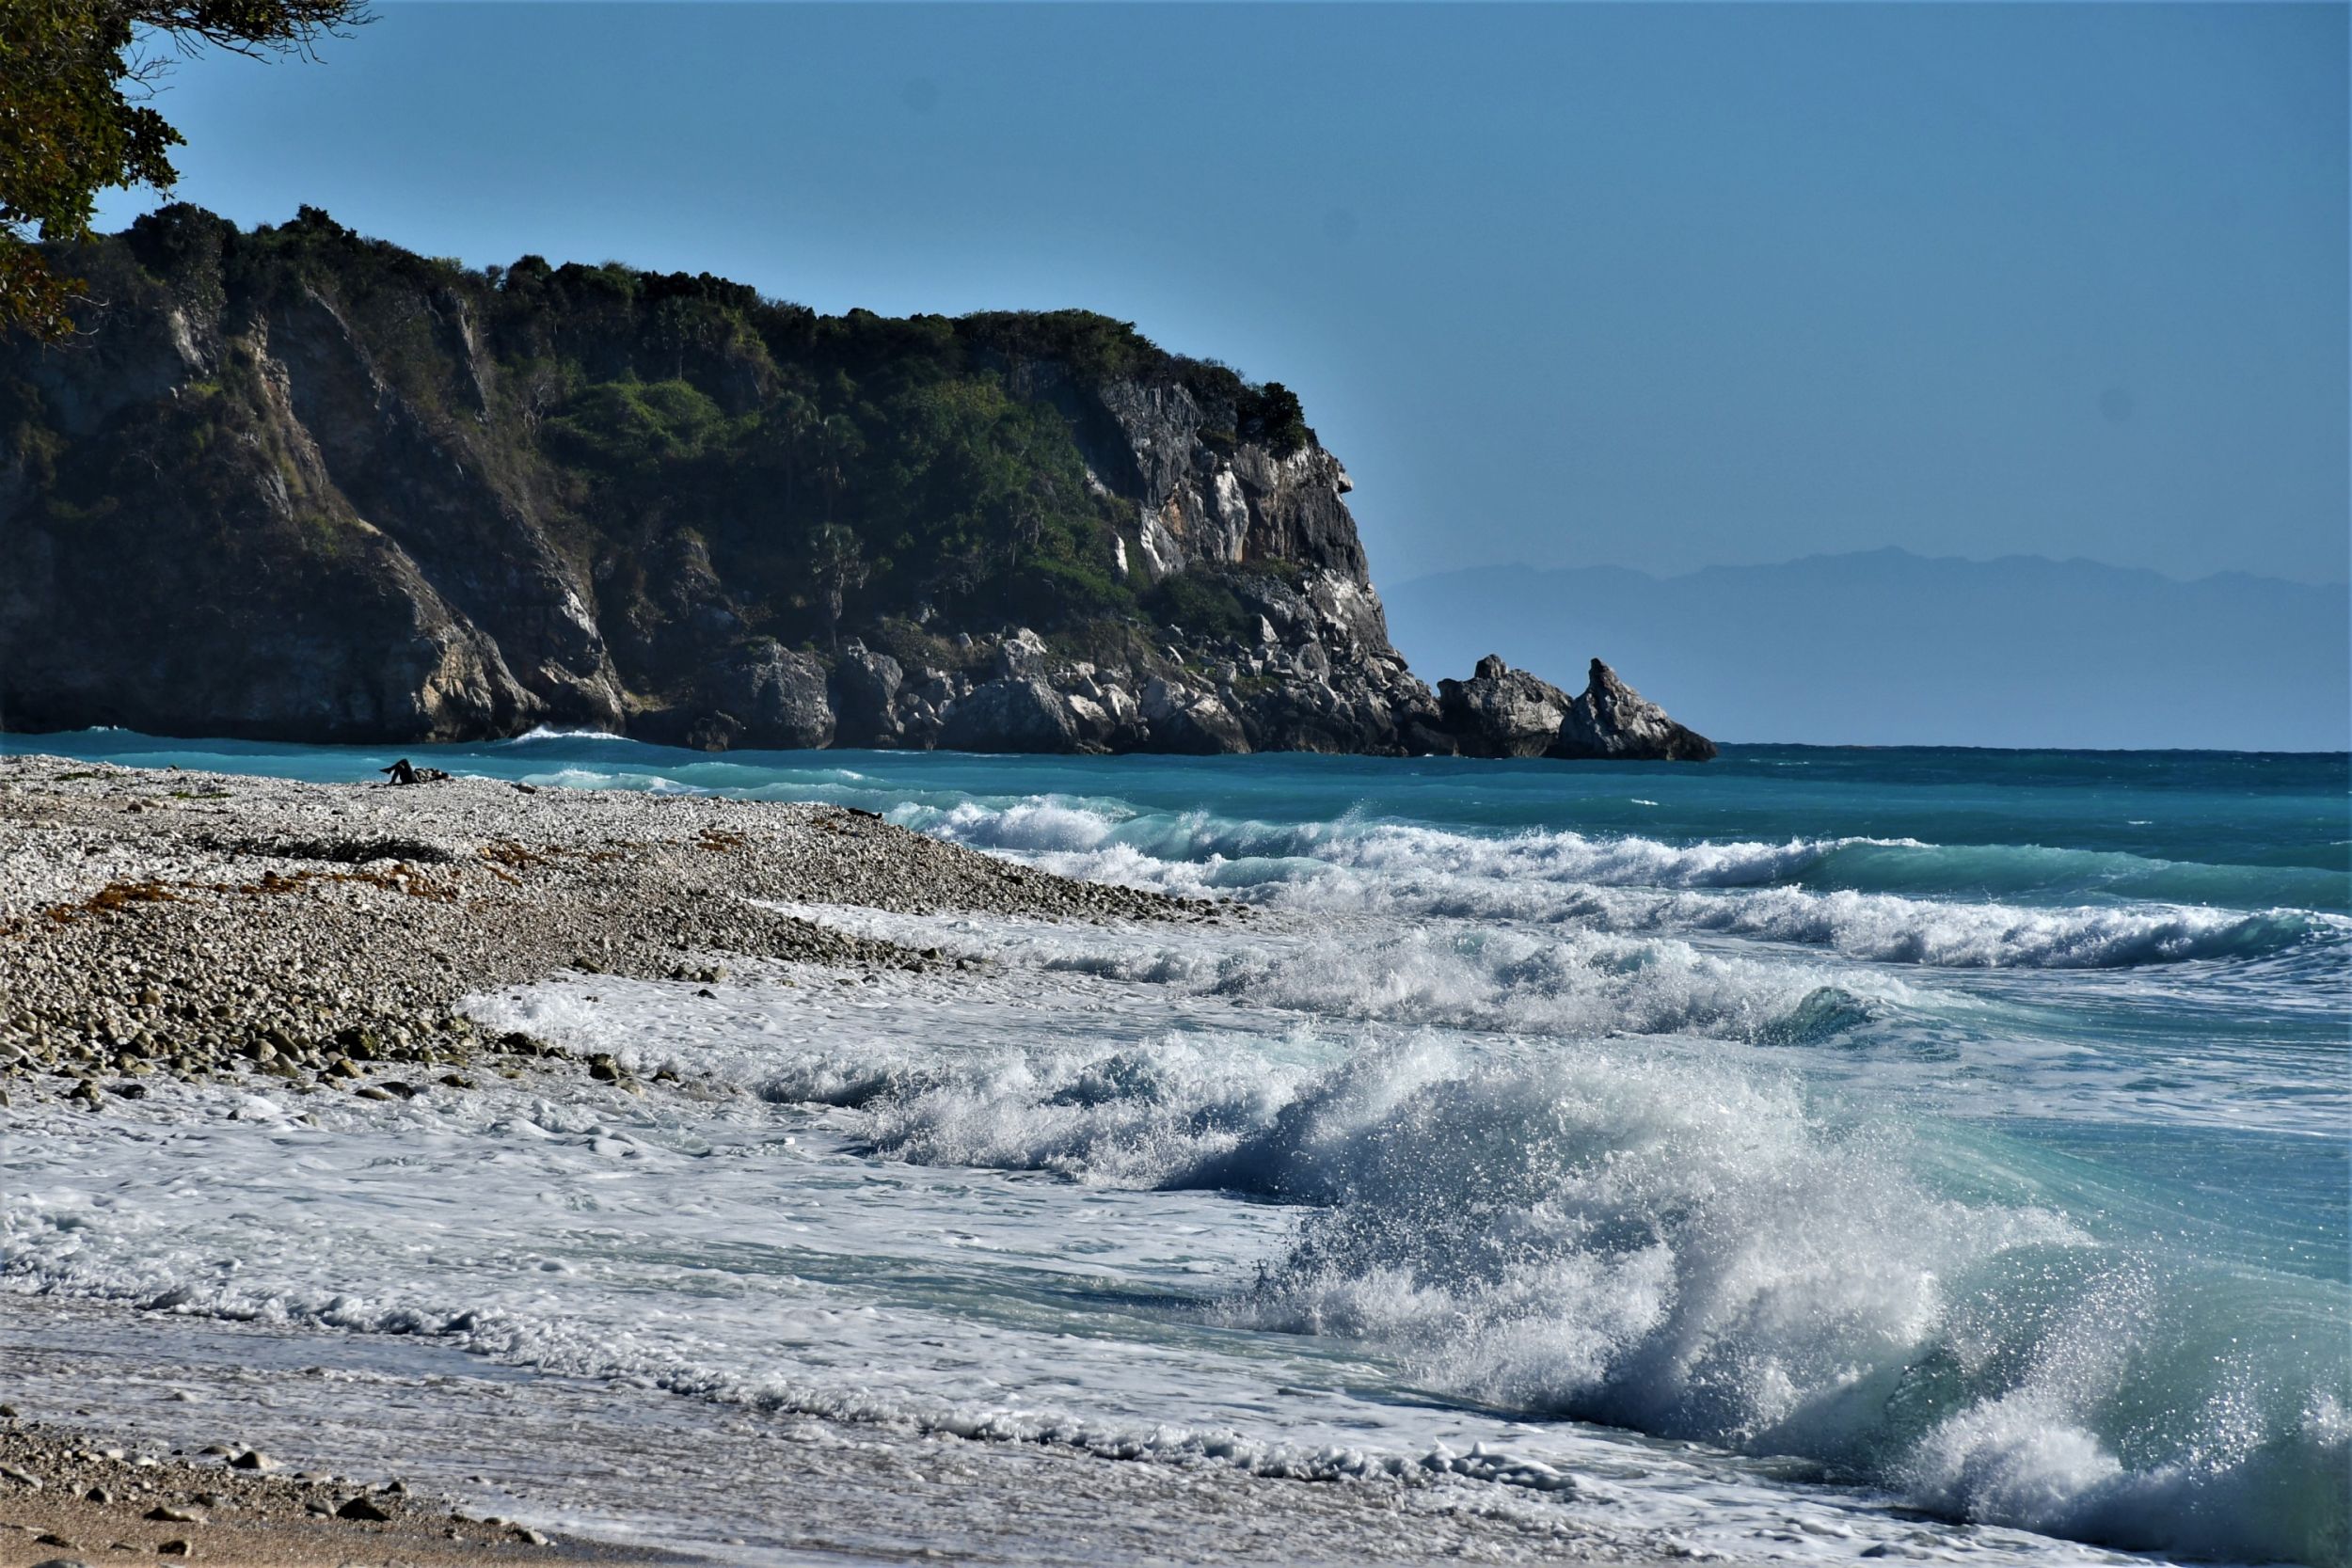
x=75 y=77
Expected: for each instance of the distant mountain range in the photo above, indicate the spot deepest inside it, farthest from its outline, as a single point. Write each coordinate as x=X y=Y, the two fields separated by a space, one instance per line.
x=1886 y=647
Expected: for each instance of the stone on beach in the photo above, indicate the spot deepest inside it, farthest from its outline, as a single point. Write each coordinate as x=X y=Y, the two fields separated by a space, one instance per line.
x=318 y=936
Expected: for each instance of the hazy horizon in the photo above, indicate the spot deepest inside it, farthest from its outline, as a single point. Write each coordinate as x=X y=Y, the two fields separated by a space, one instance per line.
x=1887 y=647
x=1896 y=550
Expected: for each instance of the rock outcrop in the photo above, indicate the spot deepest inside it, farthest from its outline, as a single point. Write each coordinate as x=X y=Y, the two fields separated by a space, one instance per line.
x=298 y=485
x=1502 y=712
x=773 y=697
x=1611 y=720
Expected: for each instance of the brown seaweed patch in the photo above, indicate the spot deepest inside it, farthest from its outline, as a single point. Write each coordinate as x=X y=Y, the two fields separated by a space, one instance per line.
x=113 y=898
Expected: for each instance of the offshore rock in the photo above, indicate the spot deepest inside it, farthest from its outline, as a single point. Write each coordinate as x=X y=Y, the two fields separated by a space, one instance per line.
x=1502 y=712
x=1611 y=720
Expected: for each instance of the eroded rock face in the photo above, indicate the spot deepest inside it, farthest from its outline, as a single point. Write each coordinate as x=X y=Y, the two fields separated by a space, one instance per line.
x=415 y=477
x=316 y=626
x=778 y=697
x=1200 y=496
x=322 y=490
x=1611 y=720
x=1502 y=712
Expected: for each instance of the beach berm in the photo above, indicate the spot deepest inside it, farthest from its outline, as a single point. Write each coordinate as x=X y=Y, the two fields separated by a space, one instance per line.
x=200 y=926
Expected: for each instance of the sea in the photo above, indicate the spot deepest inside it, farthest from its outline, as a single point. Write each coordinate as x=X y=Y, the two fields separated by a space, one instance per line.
x=1813 y=1154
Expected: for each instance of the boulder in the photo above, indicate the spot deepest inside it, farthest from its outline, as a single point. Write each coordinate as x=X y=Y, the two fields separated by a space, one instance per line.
x=1501 y=712
x=1094 y=723
x=703 y=732
x=1182 y=719
x=1021 y=655
x=779 y=696
x=865 y=696
x=1010 y=714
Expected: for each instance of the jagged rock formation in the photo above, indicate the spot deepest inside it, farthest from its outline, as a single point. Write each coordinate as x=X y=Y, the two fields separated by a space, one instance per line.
x=1611 y=720
x=1502 y=712
x=297 y=484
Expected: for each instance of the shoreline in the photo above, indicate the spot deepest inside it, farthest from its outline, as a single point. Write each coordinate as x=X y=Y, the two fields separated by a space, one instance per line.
x=211 y=926
x=227 y=929
x=785 y=1491
x=68 y=1496
x=338 y=900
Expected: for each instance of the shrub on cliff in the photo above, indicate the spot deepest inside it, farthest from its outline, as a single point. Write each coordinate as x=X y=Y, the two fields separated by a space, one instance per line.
x=685 y=442
x=1203 y=602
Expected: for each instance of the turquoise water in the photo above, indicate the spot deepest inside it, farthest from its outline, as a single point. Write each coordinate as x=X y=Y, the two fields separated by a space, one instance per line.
x=1970 y=1124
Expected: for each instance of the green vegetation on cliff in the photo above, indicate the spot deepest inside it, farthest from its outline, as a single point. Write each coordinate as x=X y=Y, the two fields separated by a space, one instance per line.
x=843 y=474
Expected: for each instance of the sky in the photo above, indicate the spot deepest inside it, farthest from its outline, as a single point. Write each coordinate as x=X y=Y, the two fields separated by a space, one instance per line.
x=1660 y=286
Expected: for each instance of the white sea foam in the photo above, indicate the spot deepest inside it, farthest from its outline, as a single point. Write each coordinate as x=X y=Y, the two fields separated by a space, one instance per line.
x=1889 y=929
x=1446 y=974
x=1048 y=826
x=1626 y=884
x=709 y=1259
x=1664 y=1240
x=1658 y=1231
x=549 y=732
x=590 y=778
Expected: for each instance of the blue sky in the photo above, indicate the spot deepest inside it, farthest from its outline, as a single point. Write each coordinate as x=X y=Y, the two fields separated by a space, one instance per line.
x=1660 y=286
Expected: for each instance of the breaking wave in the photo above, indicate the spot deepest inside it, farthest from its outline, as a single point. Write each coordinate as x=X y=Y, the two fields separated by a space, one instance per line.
x=1631 y=884
x=1672 y=1243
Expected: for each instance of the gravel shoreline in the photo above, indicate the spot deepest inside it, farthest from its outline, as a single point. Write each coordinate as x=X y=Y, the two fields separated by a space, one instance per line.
x=216 y=929
x=209 y=926
x=69 y=1499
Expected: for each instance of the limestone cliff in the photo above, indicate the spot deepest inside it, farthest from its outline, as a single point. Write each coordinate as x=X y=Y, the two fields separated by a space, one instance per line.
x=295 y=483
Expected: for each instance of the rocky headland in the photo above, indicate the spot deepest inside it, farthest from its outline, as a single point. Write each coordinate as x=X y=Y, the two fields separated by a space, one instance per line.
x=293 y=483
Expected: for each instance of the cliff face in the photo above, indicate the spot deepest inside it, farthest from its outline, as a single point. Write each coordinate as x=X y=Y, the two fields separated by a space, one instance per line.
x=297 y=484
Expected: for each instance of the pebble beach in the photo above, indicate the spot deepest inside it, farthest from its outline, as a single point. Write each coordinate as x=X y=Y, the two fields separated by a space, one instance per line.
x=210 y=928
x=194 y=924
